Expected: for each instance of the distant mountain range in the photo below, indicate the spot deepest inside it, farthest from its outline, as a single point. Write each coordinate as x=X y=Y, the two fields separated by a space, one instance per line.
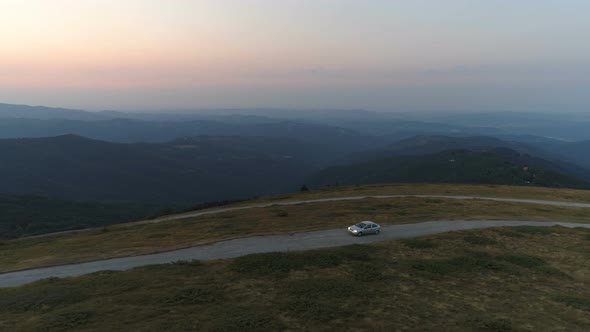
x=189 y=170
x=135 y=131
x=572 y=157
x=110 y=163
x=398 y=125
x=199 y=169
x=26 y=215
x=354 y=127
x=9 y=111
x=495 y=166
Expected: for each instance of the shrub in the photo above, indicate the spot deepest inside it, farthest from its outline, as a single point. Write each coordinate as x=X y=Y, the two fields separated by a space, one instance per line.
x=326 y=288
x=533 y=230
x=361 y=252
x=278 y=262
x=367 y=272
x=158 y=235
x=282 y=214
x=233 y=318
x=575 y=302
x=418 y=244
x=523 y=260
x=309 y=309
x=433 y=201
x=509 y=233
x=549 y=270
x=496 y=325
x=479 y=240
x=191 y=296
x=27 y=299
x=458 y=265
x=314 y=309
x=67 y=321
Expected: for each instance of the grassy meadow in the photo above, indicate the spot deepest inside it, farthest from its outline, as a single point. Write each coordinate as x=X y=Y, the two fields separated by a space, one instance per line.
x=504 y=279
x=135 y=239
x=542 y=193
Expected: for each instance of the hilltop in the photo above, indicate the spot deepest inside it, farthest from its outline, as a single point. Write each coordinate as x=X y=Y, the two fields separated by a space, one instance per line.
x=461 y=280
x=217 y=224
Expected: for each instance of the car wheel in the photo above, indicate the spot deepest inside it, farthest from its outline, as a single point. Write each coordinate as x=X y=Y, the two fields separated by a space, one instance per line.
x=360 y=234
x=377 y=232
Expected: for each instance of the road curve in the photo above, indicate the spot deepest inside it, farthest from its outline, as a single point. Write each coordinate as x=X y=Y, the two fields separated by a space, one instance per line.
x=319 y=200
x=262 y=244
x=352 y=198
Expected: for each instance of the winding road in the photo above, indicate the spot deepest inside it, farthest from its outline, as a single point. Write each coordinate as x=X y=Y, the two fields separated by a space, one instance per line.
x=262 y=244
x=353 y=198
x=320 y=200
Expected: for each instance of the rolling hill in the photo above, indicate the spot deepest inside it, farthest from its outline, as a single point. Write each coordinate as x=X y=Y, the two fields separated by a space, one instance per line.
x=495 y=166
x=436 y=281
x=568 y=160
x=123 y=130
x=210 y=168
x=572 y=152
x=189 y=170
x=25 y=215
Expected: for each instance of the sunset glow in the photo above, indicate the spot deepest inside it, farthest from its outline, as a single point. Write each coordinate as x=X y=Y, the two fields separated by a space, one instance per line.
x=217 y=53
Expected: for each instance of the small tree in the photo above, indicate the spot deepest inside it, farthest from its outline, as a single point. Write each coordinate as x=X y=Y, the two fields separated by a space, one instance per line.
x=304 y=188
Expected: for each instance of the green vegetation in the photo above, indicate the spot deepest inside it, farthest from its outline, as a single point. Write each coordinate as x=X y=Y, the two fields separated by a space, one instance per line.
x=449 y=286
x=576 y=302
x=551 y=194
x=532 y=230
x=460 y=265
x=134 y=239
x=479 y=240
x=524 y=261
x=33 y=215
x=182 y=171
x=418 y=243
x=495 y=166
x=278 y=263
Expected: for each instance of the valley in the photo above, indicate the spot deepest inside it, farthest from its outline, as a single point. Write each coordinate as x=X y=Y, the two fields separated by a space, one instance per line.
x=144 y=211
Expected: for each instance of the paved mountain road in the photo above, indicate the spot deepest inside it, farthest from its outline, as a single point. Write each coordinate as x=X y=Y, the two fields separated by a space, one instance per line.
x=319 y=200
x=261 y=244
x=352 y=198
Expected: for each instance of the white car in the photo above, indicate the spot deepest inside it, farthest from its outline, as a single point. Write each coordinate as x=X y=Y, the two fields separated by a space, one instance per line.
x=364 y=227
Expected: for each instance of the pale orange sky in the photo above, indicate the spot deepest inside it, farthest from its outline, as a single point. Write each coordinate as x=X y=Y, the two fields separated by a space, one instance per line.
x=119 y=54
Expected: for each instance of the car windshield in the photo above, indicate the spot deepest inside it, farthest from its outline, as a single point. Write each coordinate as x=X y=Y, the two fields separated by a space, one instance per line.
x=361 y=225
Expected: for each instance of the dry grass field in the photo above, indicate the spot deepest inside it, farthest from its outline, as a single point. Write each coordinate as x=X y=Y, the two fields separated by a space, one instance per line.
x=135 y=239
x=505 y=279
x=542 y=193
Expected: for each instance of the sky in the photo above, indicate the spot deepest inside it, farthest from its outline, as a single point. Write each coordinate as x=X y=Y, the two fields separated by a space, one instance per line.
x=389 y=55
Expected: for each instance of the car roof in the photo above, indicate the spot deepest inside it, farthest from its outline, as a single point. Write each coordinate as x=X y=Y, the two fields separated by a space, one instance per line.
x=367 y=222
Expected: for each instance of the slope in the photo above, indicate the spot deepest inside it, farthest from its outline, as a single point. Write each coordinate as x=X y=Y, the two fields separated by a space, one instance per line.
x=206 y=169
x=496 y=166
x=34 y=215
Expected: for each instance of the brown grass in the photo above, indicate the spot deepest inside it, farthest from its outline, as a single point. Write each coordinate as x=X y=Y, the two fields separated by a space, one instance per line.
x=553 y=194
x=124 y=240
x=537 y=281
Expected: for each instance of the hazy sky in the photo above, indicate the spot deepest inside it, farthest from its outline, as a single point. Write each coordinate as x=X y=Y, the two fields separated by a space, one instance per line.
x=373 y=54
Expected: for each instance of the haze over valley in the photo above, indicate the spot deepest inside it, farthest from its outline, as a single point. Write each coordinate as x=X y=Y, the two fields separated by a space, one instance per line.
x=294 y=165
